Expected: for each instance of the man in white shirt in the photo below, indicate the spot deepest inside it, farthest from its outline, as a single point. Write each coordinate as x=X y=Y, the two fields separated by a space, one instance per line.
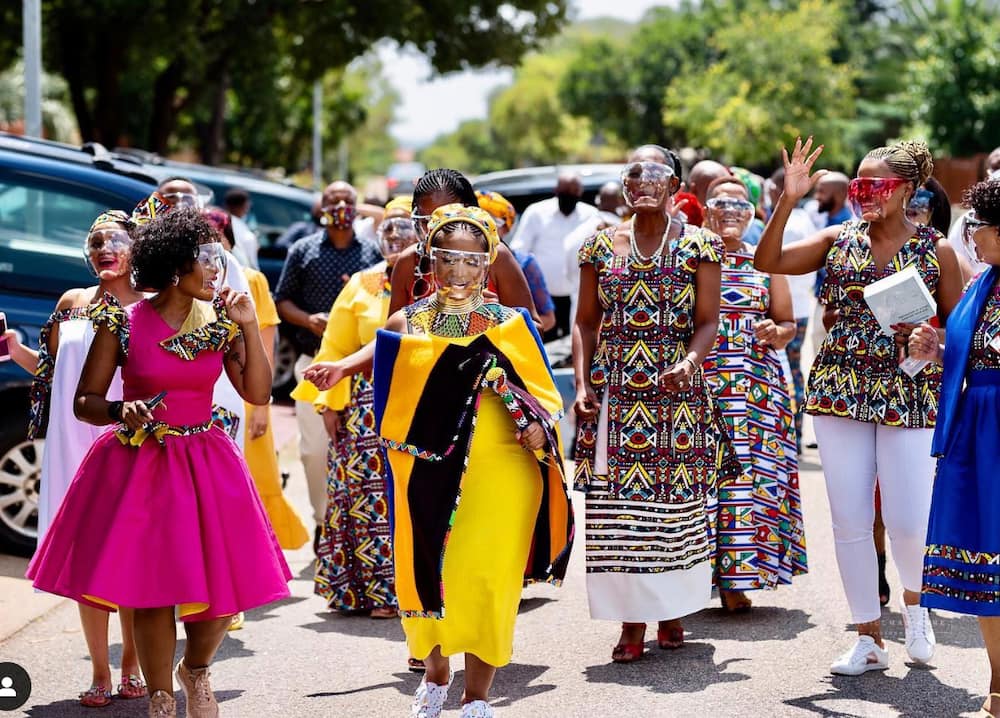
x=610 y=202
x=542 y=231
x=955 y=235
x=245 y=245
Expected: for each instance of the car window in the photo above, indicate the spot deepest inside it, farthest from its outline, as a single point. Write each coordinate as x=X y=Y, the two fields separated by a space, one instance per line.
x=45 y=212
x=271 y=214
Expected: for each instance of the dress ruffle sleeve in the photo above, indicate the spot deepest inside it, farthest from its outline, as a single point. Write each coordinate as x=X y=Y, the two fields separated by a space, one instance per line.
x=109 y=313
x=41 y=384
x=214 y=336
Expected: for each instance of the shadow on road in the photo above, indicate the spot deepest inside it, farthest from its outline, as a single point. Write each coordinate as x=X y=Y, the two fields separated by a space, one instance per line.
x=270 y=610
x=918 y=694
x=360 y=625
x=762 y=623
x=530 y=604
x=118 y=708
x=690 y=669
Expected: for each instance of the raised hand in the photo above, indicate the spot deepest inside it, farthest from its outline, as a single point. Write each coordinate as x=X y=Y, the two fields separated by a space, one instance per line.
x=798 y=180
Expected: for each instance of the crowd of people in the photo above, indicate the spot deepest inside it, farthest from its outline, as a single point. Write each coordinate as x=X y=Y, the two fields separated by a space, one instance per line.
x=423 y=373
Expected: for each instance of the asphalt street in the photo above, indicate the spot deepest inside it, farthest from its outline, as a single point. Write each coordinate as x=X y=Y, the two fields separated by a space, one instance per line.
x=296 y=658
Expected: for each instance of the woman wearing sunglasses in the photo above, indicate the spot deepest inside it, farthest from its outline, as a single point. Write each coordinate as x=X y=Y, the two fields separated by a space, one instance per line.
x=62 y=347
x=649 y=440
x=468 y=411
x=759 y=534
x=962 y=559
x=871 y=418
x=354 y=569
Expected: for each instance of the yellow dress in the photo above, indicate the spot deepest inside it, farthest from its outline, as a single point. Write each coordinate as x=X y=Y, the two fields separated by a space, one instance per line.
x=260 y=454
x=468 y=526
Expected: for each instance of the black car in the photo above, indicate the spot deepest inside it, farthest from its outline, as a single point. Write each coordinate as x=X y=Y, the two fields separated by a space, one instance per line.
x=533 y=184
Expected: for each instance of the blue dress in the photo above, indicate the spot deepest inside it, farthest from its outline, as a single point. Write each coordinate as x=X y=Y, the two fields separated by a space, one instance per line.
x=962 y=559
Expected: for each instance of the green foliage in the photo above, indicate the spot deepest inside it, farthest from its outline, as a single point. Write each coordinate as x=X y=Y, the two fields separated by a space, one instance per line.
x=767 y=87
x=57 y=119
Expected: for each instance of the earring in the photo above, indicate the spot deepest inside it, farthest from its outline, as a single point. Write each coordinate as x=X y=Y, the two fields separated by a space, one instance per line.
x=176 y=280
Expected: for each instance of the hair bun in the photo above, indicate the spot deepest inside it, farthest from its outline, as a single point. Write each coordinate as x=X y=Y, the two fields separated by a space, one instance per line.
x=921 y=155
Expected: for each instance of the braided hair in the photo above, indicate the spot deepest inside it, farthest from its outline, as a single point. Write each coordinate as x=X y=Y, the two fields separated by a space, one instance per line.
x=446 y=181
x=908 y=159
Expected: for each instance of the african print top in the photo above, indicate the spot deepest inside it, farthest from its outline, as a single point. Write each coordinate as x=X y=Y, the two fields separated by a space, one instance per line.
x=661 y=446
x=856 y=373
x=41 y=385
x=425 y=317
x=981 y=355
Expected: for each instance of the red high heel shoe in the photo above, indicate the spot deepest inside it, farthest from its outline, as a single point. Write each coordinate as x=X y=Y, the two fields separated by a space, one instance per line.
x=629 y=652
x=670 y=638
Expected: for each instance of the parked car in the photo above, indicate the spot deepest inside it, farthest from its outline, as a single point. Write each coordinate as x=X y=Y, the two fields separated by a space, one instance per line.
x=49 y=195
x=532 y=184
x=401 y=178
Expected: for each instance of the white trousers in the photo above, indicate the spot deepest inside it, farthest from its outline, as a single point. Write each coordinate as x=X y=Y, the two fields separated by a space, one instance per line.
x=313 y=446
x=854 y=453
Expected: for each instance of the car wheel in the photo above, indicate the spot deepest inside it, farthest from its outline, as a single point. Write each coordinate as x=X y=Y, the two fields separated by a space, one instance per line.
x=284 y=368
x=20 y=480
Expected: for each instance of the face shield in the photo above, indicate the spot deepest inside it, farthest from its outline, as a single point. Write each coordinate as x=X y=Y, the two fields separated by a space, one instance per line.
x=646 y=183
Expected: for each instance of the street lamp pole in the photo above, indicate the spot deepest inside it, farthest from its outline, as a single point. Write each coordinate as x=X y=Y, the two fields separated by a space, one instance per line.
x=32 y=16
x=317 y=148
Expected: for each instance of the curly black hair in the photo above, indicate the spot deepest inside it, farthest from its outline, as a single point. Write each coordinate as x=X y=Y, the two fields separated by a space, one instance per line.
x=168 y=246
x=984 y=197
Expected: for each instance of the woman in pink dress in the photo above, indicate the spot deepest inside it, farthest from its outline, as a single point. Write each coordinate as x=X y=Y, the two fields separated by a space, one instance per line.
x=163 y=514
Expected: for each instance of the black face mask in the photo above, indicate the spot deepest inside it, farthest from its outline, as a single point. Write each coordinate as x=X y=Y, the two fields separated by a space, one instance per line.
x=567 y=202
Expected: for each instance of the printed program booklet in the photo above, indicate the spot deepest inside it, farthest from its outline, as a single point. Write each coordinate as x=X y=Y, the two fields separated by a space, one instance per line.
x=901 y=297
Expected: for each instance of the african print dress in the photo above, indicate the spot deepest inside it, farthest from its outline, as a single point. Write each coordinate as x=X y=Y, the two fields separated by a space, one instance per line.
x=474 y=513
x=962 y=559
x=354 y=571
x=649 y=462
x=760 y=541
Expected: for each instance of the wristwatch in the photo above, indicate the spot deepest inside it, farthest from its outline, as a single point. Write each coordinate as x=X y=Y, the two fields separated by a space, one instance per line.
x=115 y=410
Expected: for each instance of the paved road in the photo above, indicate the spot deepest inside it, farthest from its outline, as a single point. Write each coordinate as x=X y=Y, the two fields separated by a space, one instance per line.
x=297 y=659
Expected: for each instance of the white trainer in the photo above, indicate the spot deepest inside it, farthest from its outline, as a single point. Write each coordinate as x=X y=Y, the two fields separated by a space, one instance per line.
x=428 y=701
x=920 y=640
x=477 y=709
x=864 y=656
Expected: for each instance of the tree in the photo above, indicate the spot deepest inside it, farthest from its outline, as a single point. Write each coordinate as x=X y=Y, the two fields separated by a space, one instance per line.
x=57 y=118
x=768 y=87
x=138 y=82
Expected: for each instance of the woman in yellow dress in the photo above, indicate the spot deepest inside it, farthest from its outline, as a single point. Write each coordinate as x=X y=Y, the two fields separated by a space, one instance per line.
x=467 y=409
x=354 y=571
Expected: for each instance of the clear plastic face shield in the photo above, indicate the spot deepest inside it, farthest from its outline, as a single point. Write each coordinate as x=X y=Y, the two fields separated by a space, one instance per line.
x=395 y=235
x=459 y=275
x=918 y=210
x=212 y=259
x=971 y=225
x=106 y=251
x=646 y=183
x=187 y=199
x=729 y=215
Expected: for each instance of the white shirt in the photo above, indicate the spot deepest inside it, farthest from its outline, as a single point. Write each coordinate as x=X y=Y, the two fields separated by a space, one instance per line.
x=542 y=231
x=571 y=248
x=799 y=226
x=245 y=242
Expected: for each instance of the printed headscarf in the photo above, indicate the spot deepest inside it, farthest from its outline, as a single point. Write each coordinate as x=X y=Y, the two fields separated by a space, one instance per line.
x=498 y=206
x=115 y=216
x=403 y=202
x=150 y=208
x=458 y=213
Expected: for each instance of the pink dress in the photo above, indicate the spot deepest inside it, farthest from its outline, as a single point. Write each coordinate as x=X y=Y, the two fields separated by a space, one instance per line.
x=175 y=521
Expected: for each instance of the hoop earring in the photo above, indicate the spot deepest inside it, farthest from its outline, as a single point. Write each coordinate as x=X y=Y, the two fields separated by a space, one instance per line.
x=175 y=281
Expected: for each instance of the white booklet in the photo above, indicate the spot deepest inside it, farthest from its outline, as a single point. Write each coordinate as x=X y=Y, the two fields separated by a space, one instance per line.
x=901 y=297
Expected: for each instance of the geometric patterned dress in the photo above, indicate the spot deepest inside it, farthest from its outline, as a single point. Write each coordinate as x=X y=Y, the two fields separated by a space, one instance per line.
x=649 y=461
x=354 y=570
x=760 y=539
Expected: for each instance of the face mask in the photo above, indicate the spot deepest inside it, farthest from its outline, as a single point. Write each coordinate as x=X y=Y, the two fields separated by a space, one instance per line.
x=395 y=235
x=567 y=202
x=646 y=183
x=339 y=217
x=106 y=251
x=869 y=194
x=459 y=275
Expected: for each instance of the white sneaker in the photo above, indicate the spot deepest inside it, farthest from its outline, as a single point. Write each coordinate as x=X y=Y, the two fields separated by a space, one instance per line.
x=477 y=709
x=920 y=639
x=865 y=656
x=428 y=701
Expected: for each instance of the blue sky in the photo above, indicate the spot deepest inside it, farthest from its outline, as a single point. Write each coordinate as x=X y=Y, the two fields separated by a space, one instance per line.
x=431 y=106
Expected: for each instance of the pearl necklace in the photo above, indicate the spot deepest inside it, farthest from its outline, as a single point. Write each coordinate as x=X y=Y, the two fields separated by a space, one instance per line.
x=634 y=246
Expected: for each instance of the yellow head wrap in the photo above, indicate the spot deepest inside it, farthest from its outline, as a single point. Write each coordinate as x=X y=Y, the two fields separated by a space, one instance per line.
x=459 y=213
x=402 y=203
x=498 y=206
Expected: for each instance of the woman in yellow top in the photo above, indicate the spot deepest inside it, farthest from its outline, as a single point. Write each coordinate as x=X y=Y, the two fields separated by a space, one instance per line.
x=467 y=409
x=354 y=570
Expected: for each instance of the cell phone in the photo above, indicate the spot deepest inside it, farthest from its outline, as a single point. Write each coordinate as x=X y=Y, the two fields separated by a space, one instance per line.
x=4 y=349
